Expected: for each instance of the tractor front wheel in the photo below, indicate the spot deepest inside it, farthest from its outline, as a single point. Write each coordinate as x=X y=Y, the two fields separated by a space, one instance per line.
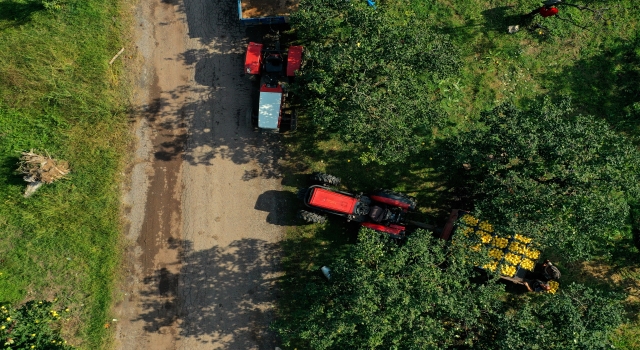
x=311 y=217
x=325 y=179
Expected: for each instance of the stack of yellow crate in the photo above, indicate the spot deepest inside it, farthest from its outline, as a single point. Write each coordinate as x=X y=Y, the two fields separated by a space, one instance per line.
x=507 y=253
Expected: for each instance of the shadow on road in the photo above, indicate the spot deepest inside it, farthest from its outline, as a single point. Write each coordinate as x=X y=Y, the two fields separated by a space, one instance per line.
x=214 y=111
x=215 y=292
x=280 y=205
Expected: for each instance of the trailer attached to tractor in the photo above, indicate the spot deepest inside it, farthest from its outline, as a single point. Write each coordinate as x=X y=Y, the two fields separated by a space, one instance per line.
x=258 y=12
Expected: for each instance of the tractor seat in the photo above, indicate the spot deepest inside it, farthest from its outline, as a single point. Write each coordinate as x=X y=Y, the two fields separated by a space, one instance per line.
x=361 y=209
x=378 y=214
x=273 y=63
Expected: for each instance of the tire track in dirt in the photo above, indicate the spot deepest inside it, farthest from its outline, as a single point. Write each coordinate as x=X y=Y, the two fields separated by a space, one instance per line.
x=204 y=194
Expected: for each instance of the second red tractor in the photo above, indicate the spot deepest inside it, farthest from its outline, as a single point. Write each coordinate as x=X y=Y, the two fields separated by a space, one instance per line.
x=276 y=68
x=381 y=210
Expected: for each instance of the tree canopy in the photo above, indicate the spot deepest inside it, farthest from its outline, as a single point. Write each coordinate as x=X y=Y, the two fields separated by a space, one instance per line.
x=566 y=180
x=422 y=295
x=576 y=318
x=370 y=79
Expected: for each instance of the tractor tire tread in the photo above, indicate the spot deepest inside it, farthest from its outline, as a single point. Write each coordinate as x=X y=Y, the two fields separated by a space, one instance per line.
x=325 y=179
x=311 y=217
x=400 y=196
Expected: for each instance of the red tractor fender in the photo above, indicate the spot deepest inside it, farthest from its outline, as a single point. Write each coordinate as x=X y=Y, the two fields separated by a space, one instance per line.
x=394 y=199
x=294 y=60
x=392 y=229
x=253 y=59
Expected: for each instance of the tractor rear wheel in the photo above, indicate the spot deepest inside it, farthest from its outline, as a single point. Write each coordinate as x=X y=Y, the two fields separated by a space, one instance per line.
x=325 y=179
x=311 y=217
x=251 y=119
x=398 y=196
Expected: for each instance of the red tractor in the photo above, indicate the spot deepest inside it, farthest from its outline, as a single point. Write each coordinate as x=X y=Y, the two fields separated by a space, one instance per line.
x=382 y=210
x=275 y=68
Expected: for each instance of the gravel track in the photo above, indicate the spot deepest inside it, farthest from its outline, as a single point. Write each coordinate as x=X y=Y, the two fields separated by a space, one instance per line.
x=202 y=202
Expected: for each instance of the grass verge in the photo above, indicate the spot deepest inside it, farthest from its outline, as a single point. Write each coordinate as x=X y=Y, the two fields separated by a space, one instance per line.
x=58 y=93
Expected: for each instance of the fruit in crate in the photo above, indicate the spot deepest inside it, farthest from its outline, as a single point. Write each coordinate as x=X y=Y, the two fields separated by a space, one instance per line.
x=486 y=226
x=491 y=266
x=508 y=270
x=527 y=264
x=496 y=253
x=512 y=258
x=517 y=247
x=469 y=220
x=466 y=231
x=484 y=237
x=500 y=242
x=532 y=254
x=553 y=285
x=522 y=238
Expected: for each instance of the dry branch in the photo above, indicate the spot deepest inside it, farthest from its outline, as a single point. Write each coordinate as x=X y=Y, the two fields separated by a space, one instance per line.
x=39 y=168
x=116 y=56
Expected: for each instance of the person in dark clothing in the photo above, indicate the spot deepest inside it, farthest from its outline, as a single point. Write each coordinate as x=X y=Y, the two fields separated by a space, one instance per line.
x=545 y=272
x=536 y=286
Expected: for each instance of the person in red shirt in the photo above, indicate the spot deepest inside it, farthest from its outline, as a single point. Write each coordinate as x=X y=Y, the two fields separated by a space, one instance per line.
x=549 y=9
x=548 y=12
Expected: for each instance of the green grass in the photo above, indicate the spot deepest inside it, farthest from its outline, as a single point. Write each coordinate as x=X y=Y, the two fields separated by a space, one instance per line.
x=58 y=93
x=591 y=58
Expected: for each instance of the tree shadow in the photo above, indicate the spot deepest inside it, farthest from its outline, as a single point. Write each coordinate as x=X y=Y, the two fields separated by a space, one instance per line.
x=417 y=176
x=304 y=252
x=15 y=14
x=279 y=205
x=220 y=295
x=496 y=19
x=606 y=85
x=208 y=120
x=500 y=18
x=11 y=177
x=615 y=270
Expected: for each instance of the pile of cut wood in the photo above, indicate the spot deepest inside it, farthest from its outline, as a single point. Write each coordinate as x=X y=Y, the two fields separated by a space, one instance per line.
x=40 y=169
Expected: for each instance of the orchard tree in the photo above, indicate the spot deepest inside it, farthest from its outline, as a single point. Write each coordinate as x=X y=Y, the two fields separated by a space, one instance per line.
x=425 y=294
x=369 y=78
x=576 y=318
x=390 y=296
x=567 y=181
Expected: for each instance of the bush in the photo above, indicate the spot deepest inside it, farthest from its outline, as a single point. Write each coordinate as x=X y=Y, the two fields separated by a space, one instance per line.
x=33 y=325
x=576 y=318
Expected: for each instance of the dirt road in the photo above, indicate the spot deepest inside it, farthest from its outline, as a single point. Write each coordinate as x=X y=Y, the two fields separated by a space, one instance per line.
x=202 y=205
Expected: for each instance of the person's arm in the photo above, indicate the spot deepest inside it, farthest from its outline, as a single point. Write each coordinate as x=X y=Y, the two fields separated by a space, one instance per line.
x=528 y=287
